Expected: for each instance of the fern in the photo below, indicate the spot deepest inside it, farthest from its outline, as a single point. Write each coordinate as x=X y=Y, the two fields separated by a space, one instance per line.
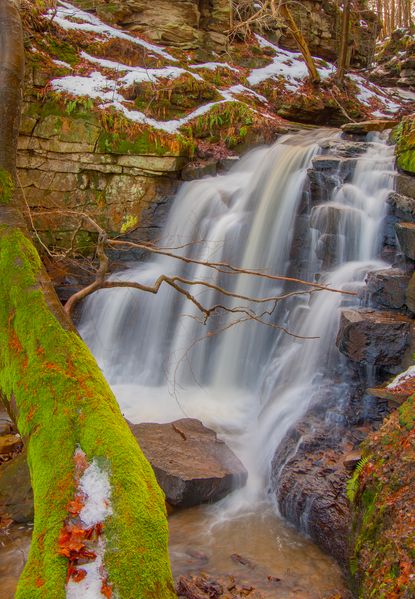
x=352 y=485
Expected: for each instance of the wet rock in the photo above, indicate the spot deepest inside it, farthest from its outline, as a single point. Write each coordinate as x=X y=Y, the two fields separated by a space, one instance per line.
x=405 y=185
x=373 y=337
x=387 y=288
x=16 y=496
x=309 y=482
x=334 y=165
x=410 y=294
x=10 y=443
x=345 y=149
x=351 y=460
x=326 y=249
x=195 y=171
x=191 y=464
x=365 y=127
x=405 y=232
x=402 y=206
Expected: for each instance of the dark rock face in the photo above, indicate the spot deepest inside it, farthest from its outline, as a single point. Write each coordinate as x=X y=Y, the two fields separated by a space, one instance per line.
x=311 y=489
x=373 y=337
x=405 y=185
x=387 y=288
x=405 y=233
x=191 y=464
x=195 y=171
x=318 y=20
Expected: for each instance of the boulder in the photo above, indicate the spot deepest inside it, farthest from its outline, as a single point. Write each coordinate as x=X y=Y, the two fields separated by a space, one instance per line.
x=191 y=464
x=405 y=232
x=373 y=337
x=365 y=127
x=387 y=288
x=402 y=206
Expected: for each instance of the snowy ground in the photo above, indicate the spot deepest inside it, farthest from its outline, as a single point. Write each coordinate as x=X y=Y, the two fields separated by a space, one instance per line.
x=107 y=79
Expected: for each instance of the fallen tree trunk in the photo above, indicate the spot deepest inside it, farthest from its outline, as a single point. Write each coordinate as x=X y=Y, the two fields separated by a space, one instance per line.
x=96 y=497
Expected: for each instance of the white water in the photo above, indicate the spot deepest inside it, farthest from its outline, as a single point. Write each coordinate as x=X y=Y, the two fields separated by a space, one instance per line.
x=248 y=381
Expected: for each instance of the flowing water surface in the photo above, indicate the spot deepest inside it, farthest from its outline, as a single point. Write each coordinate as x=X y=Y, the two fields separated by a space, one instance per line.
x=248 y=380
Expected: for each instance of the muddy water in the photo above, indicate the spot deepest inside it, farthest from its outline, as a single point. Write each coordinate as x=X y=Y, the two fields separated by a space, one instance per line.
x=258 y=549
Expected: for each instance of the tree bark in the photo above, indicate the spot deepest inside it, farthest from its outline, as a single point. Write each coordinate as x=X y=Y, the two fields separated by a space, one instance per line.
x=62 y=403
x=344 y=43
x=301 y=42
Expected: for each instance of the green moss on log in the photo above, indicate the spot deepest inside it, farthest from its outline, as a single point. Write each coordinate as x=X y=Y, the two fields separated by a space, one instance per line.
x=62 y=400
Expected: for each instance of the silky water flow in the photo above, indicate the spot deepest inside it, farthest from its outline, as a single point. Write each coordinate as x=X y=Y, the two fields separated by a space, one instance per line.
x=248 y=380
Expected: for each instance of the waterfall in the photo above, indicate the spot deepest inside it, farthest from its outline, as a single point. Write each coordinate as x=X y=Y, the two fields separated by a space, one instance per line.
x=249 y=381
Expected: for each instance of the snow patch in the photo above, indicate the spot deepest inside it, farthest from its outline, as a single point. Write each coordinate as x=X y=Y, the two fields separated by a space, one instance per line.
x=65 y=13
x=212 y=66
x=139 y=74
x=95 y=485
x=402 y=378
x=289 y=65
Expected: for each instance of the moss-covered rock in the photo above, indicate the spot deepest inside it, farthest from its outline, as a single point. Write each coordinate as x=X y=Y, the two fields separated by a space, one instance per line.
x=405 y=145
x=383 y=494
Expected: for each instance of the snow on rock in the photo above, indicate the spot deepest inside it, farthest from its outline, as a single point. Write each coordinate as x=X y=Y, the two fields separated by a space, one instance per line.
x=402 y=378
x=289 y=65
x=212 y=66
x=139 y=74
x=69 y=17
x=369 y=92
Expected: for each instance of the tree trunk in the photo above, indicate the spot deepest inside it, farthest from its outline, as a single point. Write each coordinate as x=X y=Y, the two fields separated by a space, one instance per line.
x=301 y=42
x=62 y=405
x=344 y=43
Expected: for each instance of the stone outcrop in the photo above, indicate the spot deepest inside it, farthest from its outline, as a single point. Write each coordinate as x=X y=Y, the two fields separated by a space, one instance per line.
x=186 y=24
x=394 y=63
x=365 y=127
x=191 y=464
x=378 y=338
x=319 y=21
x=70 y=162
x=405 y=232
x=387 y=288
x=311 y=487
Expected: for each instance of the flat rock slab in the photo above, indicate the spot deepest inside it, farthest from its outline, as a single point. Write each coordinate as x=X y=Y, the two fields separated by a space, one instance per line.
x=191 y=464
x=373 y=337
x=365 y=127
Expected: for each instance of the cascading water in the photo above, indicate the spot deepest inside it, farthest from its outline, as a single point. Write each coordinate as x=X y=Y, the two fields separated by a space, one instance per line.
x=249 y=381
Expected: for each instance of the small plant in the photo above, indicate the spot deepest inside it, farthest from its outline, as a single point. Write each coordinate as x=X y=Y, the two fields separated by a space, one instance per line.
x=352 y=485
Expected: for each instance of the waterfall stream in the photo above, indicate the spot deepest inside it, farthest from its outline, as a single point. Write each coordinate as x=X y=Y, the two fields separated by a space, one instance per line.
x=250 y=381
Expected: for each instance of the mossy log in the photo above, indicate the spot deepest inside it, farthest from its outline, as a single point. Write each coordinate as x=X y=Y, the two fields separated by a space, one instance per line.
x=60 y=400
